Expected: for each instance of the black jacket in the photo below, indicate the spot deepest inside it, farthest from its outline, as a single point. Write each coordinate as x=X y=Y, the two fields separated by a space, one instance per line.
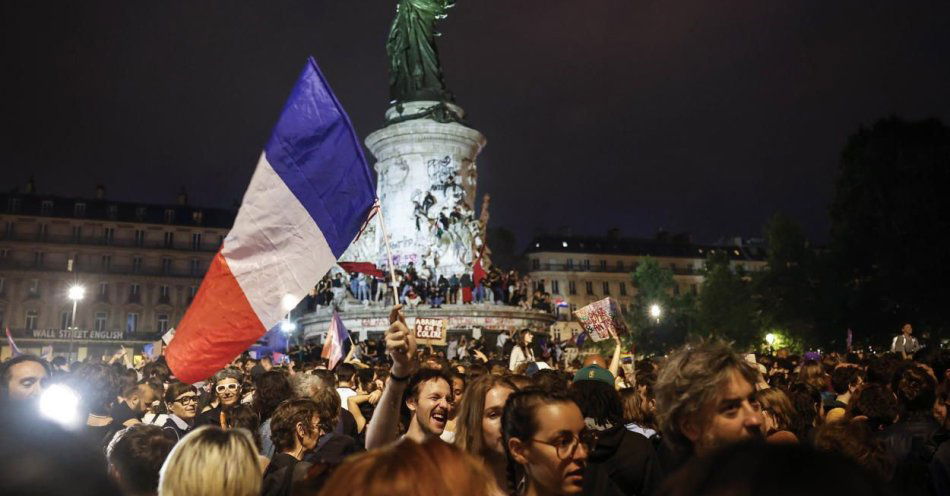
x=622 y=463
x=911 y=442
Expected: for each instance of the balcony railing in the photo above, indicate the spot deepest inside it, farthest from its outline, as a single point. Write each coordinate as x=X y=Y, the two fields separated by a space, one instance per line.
x=680 y=271
x=102 y=241
x=98 y=269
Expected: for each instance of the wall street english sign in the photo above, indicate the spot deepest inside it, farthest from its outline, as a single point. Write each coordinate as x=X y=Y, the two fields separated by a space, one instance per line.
x=72 y=334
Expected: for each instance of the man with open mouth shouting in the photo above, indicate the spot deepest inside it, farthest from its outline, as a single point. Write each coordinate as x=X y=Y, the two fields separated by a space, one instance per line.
x=423 y=397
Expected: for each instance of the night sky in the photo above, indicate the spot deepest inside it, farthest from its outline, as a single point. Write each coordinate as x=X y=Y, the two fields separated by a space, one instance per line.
x=695 y=116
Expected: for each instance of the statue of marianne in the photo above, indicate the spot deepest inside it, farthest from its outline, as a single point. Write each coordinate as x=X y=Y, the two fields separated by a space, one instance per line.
x=414 y=69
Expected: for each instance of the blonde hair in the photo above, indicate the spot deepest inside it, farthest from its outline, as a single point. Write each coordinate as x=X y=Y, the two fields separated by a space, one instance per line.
x=210 y=461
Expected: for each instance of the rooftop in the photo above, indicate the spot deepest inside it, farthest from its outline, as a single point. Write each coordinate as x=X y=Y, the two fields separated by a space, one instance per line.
x=609 y=245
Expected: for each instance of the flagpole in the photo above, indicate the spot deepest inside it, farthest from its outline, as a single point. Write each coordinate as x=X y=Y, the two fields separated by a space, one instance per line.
x=389 y=253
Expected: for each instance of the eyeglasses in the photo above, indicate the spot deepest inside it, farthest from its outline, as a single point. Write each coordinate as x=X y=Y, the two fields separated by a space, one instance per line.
x=185 y=400
x=567 y=446
x=226 y=387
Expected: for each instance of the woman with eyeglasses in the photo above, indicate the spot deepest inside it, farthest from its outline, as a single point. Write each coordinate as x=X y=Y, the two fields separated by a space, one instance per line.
x=295 y=430
x=181 y=400
x=546 y=441
x=226 y=391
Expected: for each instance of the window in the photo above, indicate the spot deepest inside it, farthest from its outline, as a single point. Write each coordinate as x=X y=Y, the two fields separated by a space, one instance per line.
x=112 y=211
x=107 y=262
x=694 y=288
x=42 y=231
x=555 y=287
x=139 y=213
x=132 y=322
x=676 y=289
x=162 y=319
x=103 y=290
x=192 y=291
x=569 y=263
x=163 y=294
x=34 y=288
x=585 y=265
x=136 y=264
x=79 y=209
x=46 y=207
x=673 y=267
x=66 y=320
x=571 y=287
x=535 y=264
x=169 y=239
x=139 y=237
x=3 y=285
x=195 y=266
x=606 y=288
x=540 y=286
x=603 y=265
x=134 y=293
x=100 y=322
x=166 y=265
x=196 y=241
x=197 y=216
x=9 y=228
x=4 y=252
x=108 y=234
x=32 y=316
x=169 y=215
x=77 y=233
x=38 y=258
x=620 y=265
x=590 y=287
x=623 y=289
x=13 y=205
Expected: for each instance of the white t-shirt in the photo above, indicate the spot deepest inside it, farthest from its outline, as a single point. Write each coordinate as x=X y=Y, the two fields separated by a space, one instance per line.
x=518 y=357
x=345 y=394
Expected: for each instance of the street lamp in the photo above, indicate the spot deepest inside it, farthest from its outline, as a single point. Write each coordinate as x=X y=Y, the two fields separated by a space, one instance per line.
x=288 y=302
x=770 y=339
x=656 y=312
x=75 y=293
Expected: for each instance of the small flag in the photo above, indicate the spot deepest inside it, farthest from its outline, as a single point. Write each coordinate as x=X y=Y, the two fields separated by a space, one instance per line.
x=13 y=347
x=335 y=347
x=46 y=353
x=308 y=198
x=561 y=303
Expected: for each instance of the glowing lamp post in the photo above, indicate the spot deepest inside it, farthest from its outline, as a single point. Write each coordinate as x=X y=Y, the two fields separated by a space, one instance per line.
x=656 y=312
x=75 y=293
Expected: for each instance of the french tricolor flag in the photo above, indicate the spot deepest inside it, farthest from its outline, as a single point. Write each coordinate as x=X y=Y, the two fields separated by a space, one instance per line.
x=308 y=198
x=335 y=347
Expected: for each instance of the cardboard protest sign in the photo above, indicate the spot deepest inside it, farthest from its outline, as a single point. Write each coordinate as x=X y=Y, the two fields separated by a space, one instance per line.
x=602 y=319
x=431 y=331
x=168 y=336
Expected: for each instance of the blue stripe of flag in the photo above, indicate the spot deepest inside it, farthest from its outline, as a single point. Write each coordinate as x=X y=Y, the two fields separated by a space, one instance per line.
x=317 y=154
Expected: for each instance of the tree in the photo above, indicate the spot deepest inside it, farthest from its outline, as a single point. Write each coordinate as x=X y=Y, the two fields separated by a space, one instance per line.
x=655 y=287
x=889 y=216
x=725 y=308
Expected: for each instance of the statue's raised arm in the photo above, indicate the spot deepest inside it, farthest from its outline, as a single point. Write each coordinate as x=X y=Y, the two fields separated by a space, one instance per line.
x=415 y=72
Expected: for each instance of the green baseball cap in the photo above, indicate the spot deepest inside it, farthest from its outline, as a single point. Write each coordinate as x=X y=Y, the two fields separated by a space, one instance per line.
x=594 y=373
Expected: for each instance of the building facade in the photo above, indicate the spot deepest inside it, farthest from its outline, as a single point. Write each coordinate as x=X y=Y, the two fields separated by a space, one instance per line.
x=581 y=270
x=139 y=265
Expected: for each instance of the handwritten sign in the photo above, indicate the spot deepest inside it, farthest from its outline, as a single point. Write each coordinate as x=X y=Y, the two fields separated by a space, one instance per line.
x=431 y=331
x=602 y=319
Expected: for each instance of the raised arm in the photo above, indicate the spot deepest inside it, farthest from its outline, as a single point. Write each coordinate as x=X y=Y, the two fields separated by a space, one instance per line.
x=383 y=428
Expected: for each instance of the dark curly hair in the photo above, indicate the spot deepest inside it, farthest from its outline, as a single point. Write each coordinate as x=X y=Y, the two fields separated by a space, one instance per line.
x=915 y=388
x=283 y=424
x=272 y=389
x=599 y=401
x=97 y=385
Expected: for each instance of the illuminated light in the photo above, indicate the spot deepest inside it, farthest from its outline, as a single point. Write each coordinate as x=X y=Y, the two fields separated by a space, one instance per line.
x=60 y=404
x=656 y=311
x=564 y=244
x=76 y=292
x=287 y=326
x=288 y=302
x=770 y=339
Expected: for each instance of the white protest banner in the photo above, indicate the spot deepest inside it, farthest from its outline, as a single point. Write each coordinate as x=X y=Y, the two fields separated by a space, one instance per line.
x=602 y=319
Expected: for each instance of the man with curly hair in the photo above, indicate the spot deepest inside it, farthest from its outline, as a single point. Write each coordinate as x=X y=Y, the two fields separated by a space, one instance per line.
x=705 y=398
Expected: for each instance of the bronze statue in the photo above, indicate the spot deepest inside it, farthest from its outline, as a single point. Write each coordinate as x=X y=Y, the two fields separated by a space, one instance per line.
x=414 y=69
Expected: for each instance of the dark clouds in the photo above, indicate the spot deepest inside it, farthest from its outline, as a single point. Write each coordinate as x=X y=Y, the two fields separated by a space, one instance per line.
x=693 y=116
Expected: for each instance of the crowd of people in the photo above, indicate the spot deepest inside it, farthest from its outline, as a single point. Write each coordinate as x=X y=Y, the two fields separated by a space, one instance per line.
x=702 y=420
x=423 y=287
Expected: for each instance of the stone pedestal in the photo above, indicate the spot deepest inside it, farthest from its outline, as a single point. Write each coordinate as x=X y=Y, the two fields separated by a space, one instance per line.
x=426 y=177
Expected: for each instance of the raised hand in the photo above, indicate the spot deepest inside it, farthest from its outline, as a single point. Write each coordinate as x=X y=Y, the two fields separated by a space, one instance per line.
x=400 y=343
